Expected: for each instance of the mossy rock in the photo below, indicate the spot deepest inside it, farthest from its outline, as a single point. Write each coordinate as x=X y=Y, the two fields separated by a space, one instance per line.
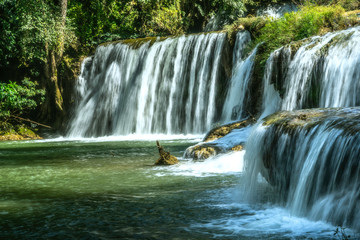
x=9 y=132
x=138 y=42
x=237 y=148
x=201 y=152
x=209 y=147
x=223 y=130
x=347 y=119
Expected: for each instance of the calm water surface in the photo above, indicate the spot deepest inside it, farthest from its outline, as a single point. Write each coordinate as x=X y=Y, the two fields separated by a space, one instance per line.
x=98 y=189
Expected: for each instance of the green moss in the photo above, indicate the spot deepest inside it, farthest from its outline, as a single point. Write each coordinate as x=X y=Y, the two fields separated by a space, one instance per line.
x=138 y=42
x=223 y=130
x=345 y=119
x=26 y=132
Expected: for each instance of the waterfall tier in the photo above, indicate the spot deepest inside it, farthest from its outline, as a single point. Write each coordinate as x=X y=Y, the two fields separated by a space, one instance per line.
x=322 y=72
x=312 y=159
x=237 y=92
x=164 y=86
x=171 y=86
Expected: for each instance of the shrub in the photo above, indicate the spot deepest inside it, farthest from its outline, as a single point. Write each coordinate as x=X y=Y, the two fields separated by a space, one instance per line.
x=17 y=99
x=294 y=26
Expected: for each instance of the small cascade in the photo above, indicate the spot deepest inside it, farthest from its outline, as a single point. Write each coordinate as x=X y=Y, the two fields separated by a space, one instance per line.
x=160 y=86
x=323 y=72
x=311 y=157
x=235 y=101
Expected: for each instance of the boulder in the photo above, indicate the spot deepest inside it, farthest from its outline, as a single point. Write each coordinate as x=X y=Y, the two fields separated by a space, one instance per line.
x=222 y=139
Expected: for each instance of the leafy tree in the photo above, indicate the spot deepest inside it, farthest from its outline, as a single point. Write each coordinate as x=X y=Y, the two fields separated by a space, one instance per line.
x=8 y=25
x=165 y=19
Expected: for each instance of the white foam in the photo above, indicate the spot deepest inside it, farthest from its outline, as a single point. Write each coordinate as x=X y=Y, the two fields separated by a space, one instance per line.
x=130 y=137
x=230 y=163
x=270 y=222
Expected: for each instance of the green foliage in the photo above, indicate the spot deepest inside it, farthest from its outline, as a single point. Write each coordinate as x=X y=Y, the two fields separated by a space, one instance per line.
x=164 y=21
x=99 y=21
x=29 y=29
x=199 y=12
x=40 y=30
x=346 y=4
x=8 y=22
x=294 y=26
x=107 y=20
x=271 y=34
x=19 y=99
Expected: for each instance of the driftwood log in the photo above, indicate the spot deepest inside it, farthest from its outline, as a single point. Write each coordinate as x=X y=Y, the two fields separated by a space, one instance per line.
x=165 y=157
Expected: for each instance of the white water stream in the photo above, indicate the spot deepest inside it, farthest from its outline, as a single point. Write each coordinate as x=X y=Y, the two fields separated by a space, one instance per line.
x=166 y=87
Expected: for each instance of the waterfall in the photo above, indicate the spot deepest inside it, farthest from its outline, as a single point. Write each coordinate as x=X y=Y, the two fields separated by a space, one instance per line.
x=160 y=86
x=235 y=101
x=323 y=72
x=315 y=167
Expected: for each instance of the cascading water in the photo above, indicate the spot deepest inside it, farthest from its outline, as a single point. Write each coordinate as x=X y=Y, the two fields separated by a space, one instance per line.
x=324 y=72
x=164 y=86
x=233 y=108
x=311 y=156
x=312 y=159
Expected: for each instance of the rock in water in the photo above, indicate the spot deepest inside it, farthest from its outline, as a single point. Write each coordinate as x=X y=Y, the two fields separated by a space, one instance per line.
x=165 y=157
x=222 y=139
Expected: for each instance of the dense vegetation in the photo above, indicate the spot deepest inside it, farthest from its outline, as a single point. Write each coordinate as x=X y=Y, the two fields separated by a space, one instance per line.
x=42 y=41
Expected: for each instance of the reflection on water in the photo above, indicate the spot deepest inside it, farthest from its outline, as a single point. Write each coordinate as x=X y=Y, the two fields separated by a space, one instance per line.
x=106 y=190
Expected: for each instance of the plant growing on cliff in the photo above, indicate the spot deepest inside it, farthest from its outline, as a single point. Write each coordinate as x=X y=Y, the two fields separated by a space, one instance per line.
x=309 y=21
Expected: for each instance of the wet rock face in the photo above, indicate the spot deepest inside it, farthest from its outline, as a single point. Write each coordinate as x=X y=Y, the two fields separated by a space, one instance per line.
x=216 y=142
x=165 y=157
x=200 y=152
x=221 y=131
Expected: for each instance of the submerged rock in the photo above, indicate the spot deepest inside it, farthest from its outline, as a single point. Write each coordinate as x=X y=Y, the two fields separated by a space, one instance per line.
x=165 y=157
x=222 y=139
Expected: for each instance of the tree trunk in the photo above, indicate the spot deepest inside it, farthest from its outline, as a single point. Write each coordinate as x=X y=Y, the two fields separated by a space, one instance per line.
x=63 y=24
x=52 y=110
